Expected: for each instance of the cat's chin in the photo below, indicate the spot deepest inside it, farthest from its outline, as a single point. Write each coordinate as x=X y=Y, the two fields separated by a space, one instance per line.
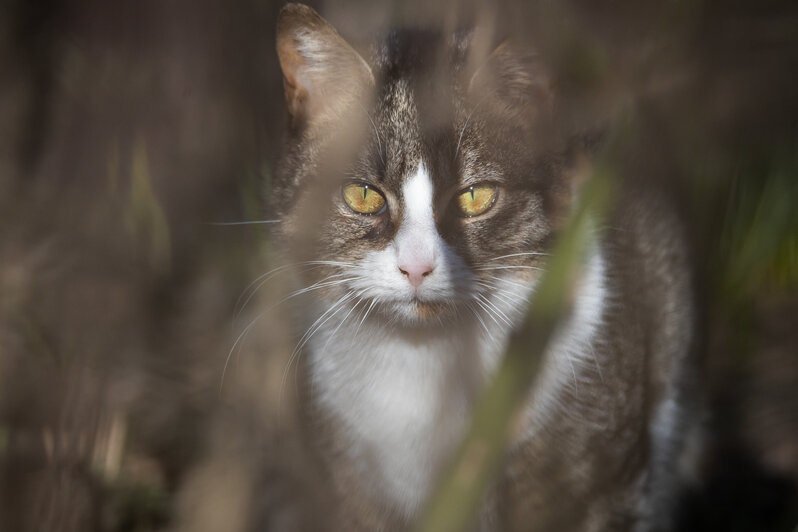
x=417 y=312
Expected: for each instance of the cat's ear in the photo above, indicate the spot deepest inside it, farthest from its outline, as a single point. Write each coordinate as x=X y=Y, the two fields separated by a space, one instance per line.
x=322 y=73
x=514 y=80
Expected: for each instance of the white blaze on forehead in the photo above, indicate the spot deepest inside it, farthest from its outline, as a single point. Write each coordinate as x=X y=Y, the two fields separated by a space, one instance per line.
x=418 y=196
x=416 y=238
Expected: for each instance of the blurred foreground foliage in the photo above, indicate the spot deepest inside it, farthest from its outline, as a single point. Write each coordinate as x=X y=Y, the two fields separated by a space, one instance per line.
x=758 y=251
x=125 y=127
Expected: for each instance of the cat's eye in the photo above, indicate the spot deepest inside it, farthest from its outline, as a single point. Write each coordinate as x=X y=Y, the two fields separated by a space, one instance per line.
x=477 y=199
x=362 y=198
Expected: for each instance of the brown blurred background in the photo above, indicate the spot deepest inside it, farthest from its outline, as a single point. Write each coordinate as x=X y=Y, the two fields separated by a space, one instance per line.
x=128 y=127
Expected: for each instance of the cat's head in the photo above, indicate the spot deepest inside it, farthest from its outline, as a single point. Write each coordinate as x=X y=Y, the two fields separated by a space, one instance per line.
x=421 y=181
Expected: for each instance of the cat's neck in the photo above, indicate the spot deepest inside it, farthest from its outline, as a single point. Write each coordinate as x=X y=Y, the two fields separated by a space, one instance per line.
x=402 y=396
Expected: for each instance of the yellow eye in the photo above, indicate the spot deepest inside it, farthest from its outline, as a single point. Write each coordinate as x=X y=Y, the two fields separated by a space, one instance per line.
x=476 y=200
x=363 y=199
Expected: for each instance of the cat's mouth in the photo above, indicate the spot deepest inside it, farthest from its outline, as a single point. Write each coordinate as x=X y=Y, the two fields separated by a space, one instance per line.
x=429 y=309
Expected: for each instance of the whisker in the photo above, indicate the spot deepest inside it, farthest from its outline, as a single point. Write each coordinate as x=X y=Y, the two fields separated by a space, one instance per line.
x=487 y=311
x=573 y=373
x=496 y=310
x=253 y=222
x=595 y=360
x=329 y=313
x=391 y=321
x=249 y=326
x=321 y=284
x=232 y=349
x=278 y=269
x=495 y=282
x=335 y=331
x=305 y=337
x=508 y=267
x=497 y=288
x=508 y=281
x=267 y=275
x=313 y=287
x=527 y=253
x=359 y=300
x=481 y=321
x=272 y=307
x=511 y=297
x=371 y=306
x=505 y=295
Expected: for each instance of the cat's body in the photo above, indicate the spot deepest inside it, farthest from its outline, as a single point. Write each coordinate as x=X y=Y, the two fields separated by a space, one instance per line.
x=427 y=188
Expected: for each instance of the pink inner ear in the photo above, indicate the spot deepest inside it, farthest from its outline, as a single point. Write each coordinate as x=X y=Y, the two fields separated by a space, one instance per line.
x=322 y=73
x=291 y=62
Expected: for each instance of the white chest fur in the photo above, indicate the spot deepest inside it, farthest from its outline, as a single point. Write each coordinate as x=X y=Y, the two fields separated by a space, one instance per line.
x=403 y=400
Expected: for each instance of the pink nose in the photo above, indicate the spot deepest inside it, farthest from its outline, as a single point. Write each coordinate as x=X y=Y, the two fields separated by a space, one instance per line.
x=416 y=272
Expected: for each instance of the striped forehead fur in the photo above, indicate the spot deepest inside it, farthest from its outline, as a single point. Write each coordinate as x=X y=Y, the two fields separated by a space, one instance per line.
x=463 y=149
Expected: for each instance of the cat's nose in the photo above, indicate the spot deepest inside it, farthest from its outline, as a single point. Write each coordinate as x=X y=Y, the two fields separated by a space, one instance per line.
x=416 y=272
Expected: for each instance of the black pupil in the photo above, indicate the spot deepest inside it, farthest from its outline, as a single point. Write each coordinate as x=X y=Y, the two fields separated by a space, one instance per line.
x=471 y=190
x=365 y=191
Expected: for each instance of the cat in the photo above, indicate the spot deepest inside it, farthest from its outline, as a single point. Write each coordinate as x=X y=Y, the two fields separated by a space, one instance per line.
x=423 y=190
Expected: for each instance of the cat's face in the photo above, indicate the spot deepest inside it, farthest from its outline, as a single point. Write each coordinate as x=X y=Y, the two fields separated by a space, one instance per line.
x=420 y=183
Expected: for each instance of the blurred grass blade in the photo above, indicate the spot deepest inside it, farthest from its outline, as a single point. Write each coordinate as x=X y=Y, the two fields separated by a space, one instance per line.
x=453 y=504
x=145 y=218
